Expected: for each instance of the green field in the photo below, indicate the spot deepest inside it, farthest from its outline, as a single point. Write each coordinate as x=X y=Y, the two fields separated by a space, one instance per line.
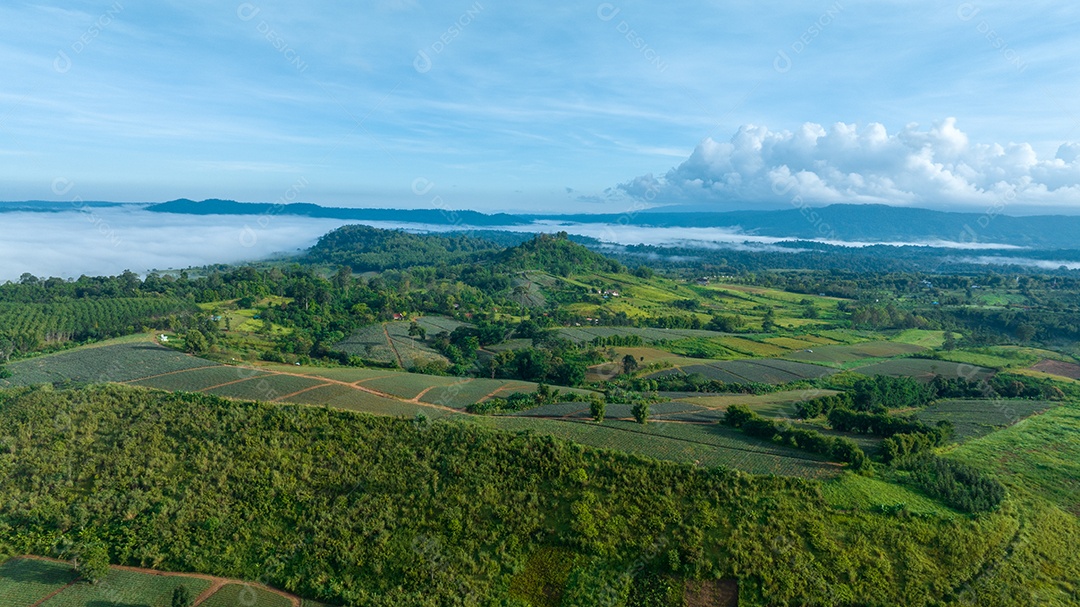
x=773 y=404
x=924 y=369
x=1040 y=454
x=119 y=362
x=857 y=492
x=247 y=595
x=127 y=589
x=976 y=418
x=24 y=582
x=770 y=371
x=701 y=445
x=390 y=342
x=197 y=379
x=846 y=357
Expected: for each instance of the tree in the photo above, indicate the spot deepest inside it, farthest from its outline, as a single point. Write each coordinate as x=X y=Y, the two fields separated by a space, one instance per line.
x=768 y=322
x=195 y=342
x=597 y=407
x=629 y=364
x=92 y=562
x=641 y=413
x=181 y=597
x=950 y=341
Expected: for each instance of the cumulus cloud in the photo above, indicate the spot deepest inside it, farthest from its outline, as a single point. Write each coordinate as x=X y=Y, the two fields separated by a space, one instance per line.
x=846 y=163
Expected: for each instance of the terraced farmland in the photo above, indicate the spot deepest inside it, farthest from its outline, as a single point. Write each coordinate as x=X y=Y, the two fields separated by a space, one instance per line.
x=977 y=418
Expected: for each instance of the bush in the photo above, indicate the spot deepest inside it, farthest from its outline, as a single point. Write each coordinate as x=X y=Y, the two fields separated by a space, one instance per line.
x=92 y=562
x=958 y=485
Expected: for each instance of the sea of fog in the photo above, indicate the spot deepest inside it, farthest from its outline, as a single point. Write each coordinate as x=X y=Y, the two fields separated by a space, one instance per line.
x=109 y=240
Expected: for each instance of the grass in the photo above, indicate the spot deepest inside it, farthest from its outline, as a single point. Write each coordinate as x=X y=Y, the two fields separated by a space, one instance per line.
x=1040 y=454
x=921 y=337
x=790 y=343
x=231 y=595
x=852 y=491
x=23 y=582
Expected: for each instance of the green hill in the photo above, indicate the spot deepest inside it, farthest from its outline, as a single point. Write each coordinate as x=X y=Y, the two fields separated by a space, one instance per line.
x=365 y=248
x=556 y=254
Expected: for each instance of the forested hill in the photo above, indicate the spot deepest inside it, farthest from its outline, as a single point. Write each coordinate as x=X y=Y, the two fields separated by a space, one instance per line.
x=366 y=249
x=555 y=253
x=845 y=222
x=428 y=216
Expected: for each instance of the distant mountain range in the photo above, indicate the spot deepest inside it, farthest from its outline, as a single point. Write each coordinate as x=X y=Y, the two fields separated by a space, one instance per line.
x=838 y=222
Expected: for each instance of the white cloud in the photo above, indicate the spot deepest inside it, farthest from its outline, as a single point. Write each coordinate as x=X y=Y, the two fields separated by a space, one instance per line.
x=846 y=163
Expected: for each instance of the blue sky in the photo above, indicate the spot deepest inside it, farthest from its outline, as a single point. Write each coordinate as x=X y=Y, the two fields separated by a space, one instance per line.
x=584 y=106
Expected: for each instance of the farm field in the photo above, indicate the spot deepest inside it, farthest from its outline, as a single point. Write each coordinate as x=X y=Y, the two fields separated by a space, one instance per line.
x=749 y=347
x=648 y=335
x=774 y=404
x=924 y=369
x=127 y=588
x=390 y=342
x=772 y=371
x=1059 y=368
x=977 y=418
x=232 y=595
x=148 y=365
x=847 y=356
x=24 y=582
x=118 y=362
x=920 y=337
x=194 y=380
x=267 y=388
x=703 y=445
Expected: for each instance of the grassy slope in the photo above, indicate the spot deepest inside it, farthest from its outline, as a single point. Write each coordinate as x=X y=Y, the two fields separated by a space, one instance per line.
x=1039 y=460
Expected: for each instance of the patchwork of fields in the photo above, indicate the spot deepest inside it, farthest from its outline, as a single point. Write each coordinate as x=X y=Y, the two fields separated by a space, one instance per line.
x=391 y=343
x=377 y=391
